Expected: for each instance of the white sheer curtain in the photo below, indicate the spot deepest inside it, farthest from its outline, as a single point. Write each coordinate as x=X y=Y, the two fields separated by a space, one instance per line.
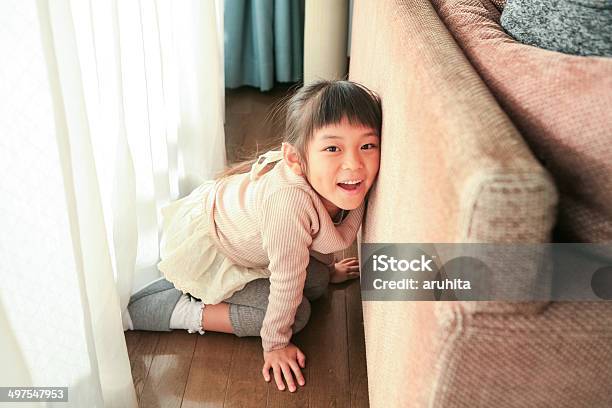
x=108 y=109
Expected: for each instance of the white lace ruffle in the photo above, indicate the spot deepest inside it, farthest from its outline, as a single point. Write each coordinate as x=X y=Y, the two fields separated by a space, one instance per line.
x=187 y=315
x=197 y=325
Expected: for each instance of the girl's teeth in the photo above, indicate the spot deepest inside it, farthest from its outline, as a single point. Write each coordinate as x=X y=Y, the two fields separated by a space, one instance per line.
x=350 y=185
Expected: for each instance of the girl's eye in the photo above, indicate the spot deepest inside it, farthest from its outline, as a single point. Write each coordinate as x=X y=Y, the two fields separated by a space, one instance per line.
x=370 y=146
x=331 y=149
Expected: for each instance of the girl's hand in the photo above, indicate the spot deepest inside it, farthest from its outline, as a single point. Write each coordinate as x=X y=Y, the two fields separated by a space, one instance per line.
x=283 y=362
x=346 y=269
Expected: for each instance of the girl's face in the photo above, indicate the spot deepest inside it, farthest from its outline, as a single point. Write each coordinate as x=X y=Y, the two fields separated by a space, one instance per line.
x=343 y=161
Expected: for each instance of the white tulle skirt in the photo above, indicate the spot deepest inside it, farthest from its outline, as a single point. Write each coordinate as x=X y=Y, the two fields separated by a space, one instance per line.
x=189 y=256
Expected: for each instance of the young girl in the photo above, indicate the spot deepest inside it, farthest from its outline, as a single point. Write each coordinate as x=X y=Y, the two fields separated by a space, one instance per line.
x=256 y=245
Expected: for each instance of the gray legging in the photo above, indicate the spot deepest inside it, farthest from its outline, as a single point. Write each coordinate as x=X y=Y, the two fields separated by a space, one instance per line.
x=151 y=307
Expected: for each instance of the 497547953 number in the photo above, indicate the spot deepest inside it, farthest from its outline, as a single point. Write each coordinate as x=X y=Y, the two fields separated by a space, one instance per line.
x=41 y=394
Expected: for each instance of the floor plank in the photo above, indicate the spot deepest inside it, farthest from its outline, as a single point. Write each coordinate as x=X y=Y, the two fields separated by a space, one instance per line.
x=298 y=399
x=165 y=384
x=358 y=376
x=324 y=341
x=209 y=373
x=286 y=399
x=246 y=386
x=141 y=350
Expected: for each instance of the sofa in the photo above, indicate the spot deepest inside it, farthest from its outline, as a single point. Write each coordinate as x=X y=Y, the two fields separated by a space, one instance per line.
x=461 y=164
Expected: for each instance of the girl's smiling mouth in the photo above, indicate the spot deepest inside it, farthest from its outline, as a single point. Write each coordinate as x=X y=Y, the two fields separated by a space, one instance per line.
x=351 y=186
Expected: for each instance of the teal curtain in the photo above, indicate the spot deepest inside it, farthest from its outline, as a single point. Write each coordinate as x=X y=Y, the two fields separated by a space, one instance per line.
x=264 y=42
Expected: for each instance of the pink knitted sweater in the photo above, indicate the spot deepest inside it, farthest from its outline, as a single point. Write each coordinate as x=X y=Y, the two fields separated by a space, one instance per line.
x=276 y=220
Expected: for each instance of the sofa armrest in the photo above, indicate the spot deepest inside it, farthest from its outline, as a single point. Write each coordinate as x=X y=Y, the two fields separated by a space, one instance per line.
x=453 y=169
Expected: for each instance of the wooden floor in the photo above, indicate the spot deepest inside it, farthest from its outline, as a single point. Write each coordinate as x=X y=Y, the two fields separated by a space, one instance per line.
x=178 y=369
x=253 y=120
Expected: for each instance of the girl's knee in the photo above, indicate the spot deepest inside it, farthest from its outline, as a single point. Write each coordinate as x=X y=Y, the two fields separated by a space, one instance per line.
x=245 y=320
x=301 y=315
x=317 y=280
x=151 y=307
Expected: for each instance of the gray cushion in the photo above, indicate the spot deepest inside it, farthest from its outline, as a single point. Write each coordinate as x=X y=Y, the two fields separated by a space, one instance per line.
x=580 y=27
